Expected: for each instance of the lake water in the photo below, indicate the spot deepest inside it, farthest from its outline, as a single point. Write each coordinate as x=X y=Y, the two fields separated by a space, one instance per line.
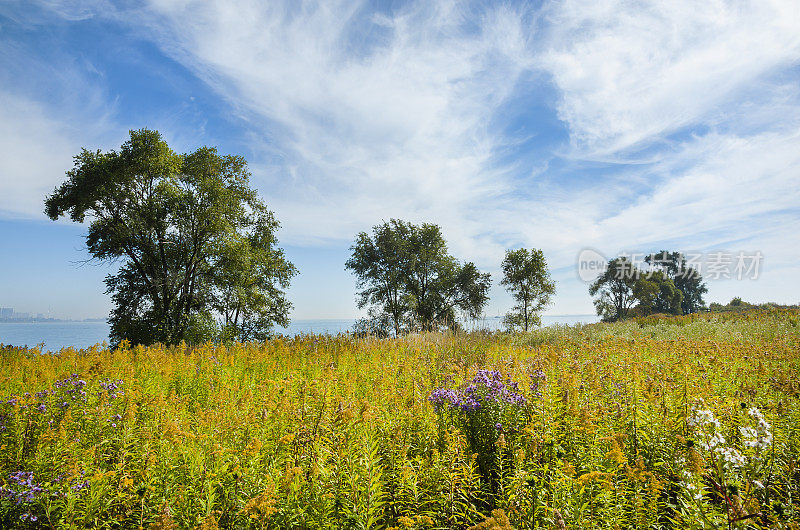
x=57 y=335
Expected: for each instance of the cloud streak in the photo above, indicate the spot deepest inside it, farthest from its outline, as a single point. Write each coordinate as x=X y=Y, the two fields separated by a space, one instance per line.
x=51 y=107
x=681 y=118
x=370 y=114
x=632 y=73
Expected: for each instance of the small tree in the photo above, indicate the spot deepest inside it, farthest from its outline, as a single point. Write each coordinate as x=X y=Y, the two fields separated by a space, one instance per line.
x=406 y=274
x=615 y=289
x=526 y=276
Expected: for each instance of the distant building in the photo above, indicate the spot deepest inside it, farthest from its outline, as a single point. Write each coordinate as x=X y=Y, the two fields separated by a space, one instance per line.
x=22 y=316
x=39 y=316
x=6 y=312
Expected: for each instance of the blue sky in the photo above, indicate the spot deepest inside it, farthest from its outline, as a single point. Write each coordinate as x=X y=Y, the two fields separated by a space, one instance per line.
x=557 y=125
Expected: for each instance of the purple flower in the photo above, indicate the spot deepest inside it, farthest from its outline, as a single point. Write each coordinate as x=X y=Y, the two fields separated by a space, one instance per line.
x=470 y=404
x=442 y=396
x=26 y=490
x=487 y=386
x=537 y=377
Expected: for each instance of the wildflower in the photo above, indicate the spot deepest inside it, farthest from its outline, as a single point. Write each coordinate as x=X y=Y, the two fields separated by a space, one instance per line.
x=442 y=396
x=760 y=436
x=26 y=489
x=731 y=456
x=486 y=386
x=536 y=377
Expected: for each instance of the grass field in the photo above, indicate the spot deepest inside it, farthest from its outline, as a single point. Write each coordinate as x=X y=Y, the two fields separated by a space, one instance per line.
x=684 y=422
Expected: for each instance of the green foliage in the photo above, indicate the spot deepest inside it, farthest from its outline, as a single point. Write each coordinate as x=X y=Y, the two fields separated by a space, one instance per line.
x=406 y=274
x=202 y=328
x=686 y=278
x=656 y=293
x=624 y=290
x=526 y=276
x=615 y=289
x=192 y=236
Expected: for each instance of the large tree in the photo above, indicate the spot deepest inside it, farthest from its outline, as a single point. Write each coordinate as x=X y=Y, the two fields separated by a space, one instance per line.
x=407 y=276
x=526 y=276
x=686 y=278
x=193 y=239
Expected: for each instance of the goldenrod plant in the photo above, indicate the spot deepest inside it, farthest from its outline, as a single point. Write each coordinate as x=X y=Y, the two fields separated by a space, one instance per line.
x=670 y=422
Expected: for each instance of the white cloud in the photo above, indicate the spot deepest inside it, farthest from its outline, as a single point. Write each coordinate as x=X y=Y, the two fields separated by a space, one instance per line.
x=631 y=72
x=372 y=115
x=52 y=106
x=363 y=116
x=376 y=116
x=34 y=149
x=731 y=183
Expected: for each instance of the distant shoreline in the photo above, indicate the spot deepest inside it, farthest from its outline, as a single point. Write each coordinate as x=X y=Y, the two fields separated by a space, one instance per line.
x=46 y=320
x=62 y=321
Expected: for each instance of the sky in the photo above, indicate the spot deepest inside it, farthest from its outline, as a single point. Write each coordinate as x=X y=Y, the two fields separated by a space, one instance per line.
x=619 y=126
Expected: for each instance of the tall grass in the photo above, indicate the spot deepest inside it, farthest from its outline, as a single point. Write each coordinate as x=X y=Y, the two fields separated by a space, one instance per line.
x=339 y=432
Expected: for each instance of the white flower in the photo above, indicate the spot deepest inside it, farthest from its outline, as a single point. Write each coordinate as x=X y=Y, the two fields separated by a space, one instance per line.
x=731 y=456
x=716 y=440
x=758 y=484
x=748 y=432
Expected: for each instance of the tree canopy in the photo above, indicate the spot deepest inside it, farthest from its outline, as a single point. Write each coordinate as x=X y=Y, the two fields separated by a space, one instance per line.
x=526 y=276
x=657 y=293
x=410 y=281
x=194 y=241
x=624 y=289
x=686 y=278
x=615 y=289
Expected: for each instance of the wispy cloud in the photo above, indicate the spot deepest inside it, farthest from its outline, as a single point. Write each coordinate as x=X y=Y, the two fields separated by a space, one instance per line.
x=396 y=113
x=682 y=118
x=369 y=114
x=51 y=107
x=631 y=73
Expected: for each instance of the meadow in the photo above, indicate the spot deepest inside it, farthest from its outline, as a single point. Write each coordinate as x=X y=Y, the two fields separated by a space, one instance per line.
x=679 y=422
